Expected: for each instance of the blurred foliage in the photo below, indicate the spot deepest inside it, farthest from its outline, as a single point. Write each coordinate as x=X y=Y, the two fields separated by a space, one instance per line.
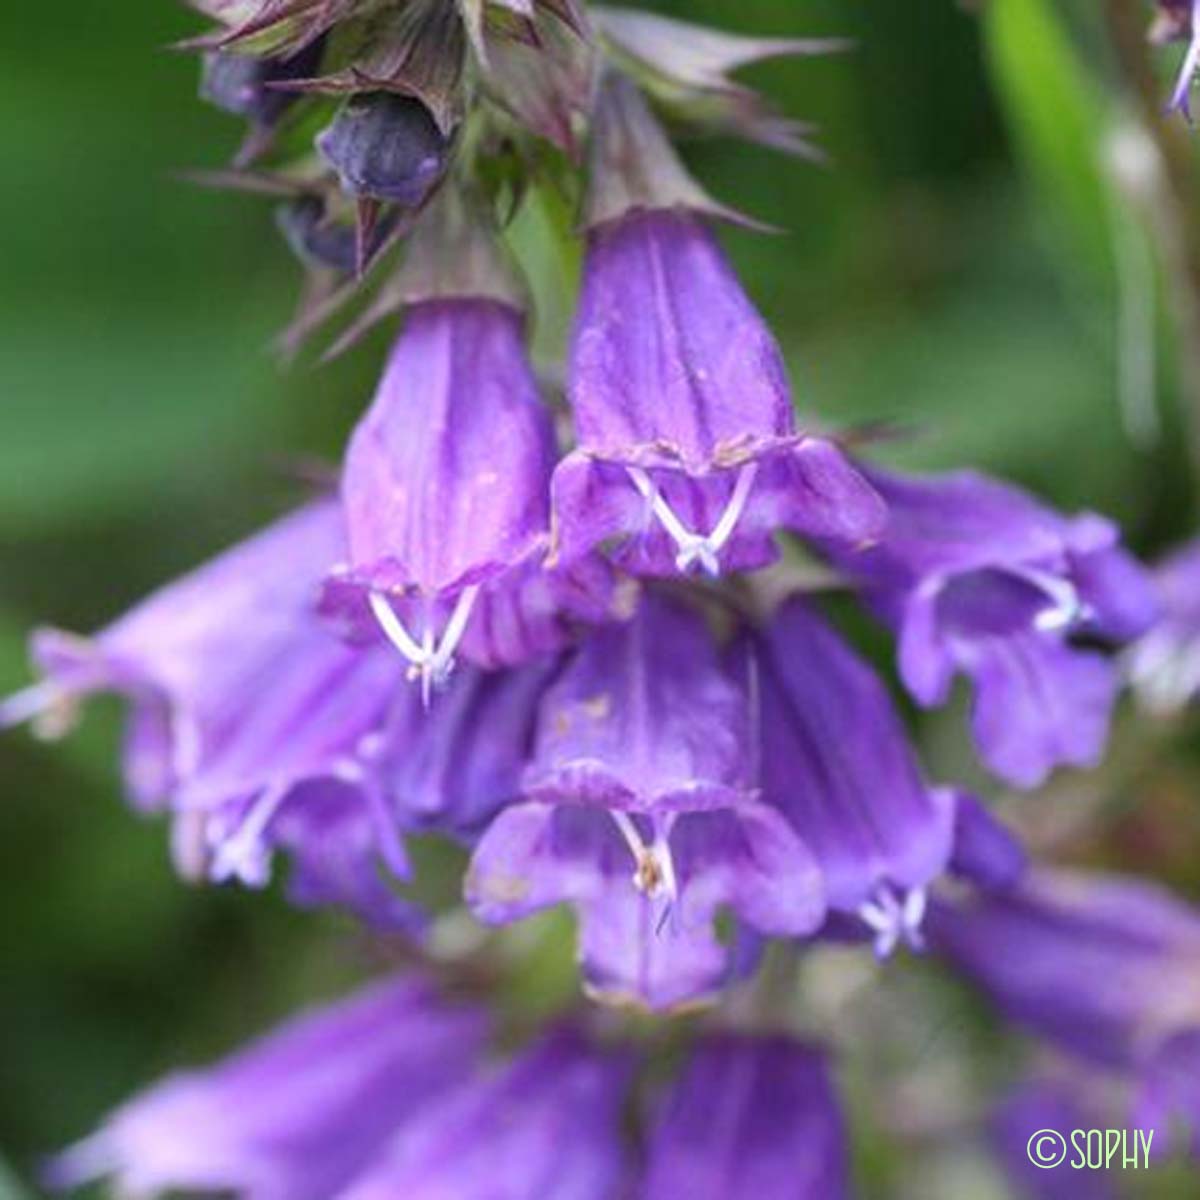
x=951 y=273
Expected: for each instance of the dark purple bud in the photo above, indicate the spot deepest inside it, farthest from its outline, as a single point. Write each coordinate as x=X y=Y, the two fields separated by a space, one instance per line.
x=386 y=146
x=245 y=86
x=318 y=240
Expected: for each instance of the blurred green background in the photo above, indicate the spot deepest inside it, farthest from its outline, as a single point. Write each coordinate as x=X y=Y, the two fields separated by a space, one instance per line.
x=961 y=269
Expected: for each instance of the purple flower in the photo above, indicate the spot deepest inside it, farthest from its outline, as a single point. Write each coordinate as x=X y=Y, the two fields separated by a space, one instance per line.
x=1105 y=967
x=639 y=811
x=446 y=502
x=688 y=452
x=1163 y=665
x=546 y=1126
x=749 y=1117
x=294 y=1116
x=452 y=767
x=836 y=762
x=248 y=720
x=975 y=576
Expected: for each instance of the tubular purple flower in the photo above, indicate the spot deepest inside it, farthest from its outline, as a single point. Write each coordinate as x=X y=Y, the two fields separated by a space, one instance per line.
x=248 y=719
x=294 y=1116
x=1163 y=666
x=640 y=813
x=445 y=496
x=749 y=1117
x=835 y=760
x=688 y=453
x=546 y=1126
x=1106 y=967
x=975 y=576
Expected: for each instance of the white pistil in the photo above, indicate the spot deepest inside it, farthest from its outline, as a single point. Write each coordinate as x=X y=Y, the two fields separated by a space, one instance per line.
x=893 y=917
x=432 y=661
x=691 y=547
x=242 y=856
x=654 y=869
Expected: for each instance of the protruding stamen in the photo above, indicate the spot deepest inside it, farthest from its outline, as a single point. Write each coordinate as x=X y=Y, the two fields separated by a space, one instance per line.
x=734 y=507
x=242 y=856
x=455 y=628
x=654 y=869
x=894 y=917
x=391 y=625
x=1066 y=606
x=432 y=661
x=691 y=547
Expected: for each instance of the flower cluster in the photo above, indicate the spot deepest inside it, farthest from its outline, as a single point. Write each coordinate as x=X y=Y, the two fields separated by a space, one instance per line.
x=393 y=1093
x=553 y=642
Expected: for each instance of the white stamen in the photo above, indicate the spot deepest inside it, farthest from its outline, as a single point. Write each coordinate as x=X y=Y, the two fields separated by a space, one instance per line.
x=455 y=628
x=693 y=548
x=654 y=872
x=394 y=628
x=432 y=661
x=894 y=917
x=661 y=850
x=1066 y=607
x=241 y=856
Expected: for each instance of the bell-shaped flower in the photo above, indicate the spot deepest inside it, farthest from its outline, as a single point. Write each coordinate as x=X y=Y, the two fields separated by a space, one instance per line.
x=836 y=761
x=545 y=1126
x=446 y=502
x=1163 y=665
x=749 y=1116
x=640 y=812
x=976 y=576
x=294 y=1116
x=1104 y=967
x=688 y=453
x=240 y=699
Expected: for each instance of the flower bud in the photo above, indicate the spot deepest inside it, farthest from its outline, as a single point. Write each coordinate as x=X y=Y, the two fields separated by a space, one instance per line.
x=319 y=241
x=386 y=146
x=244 y=86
